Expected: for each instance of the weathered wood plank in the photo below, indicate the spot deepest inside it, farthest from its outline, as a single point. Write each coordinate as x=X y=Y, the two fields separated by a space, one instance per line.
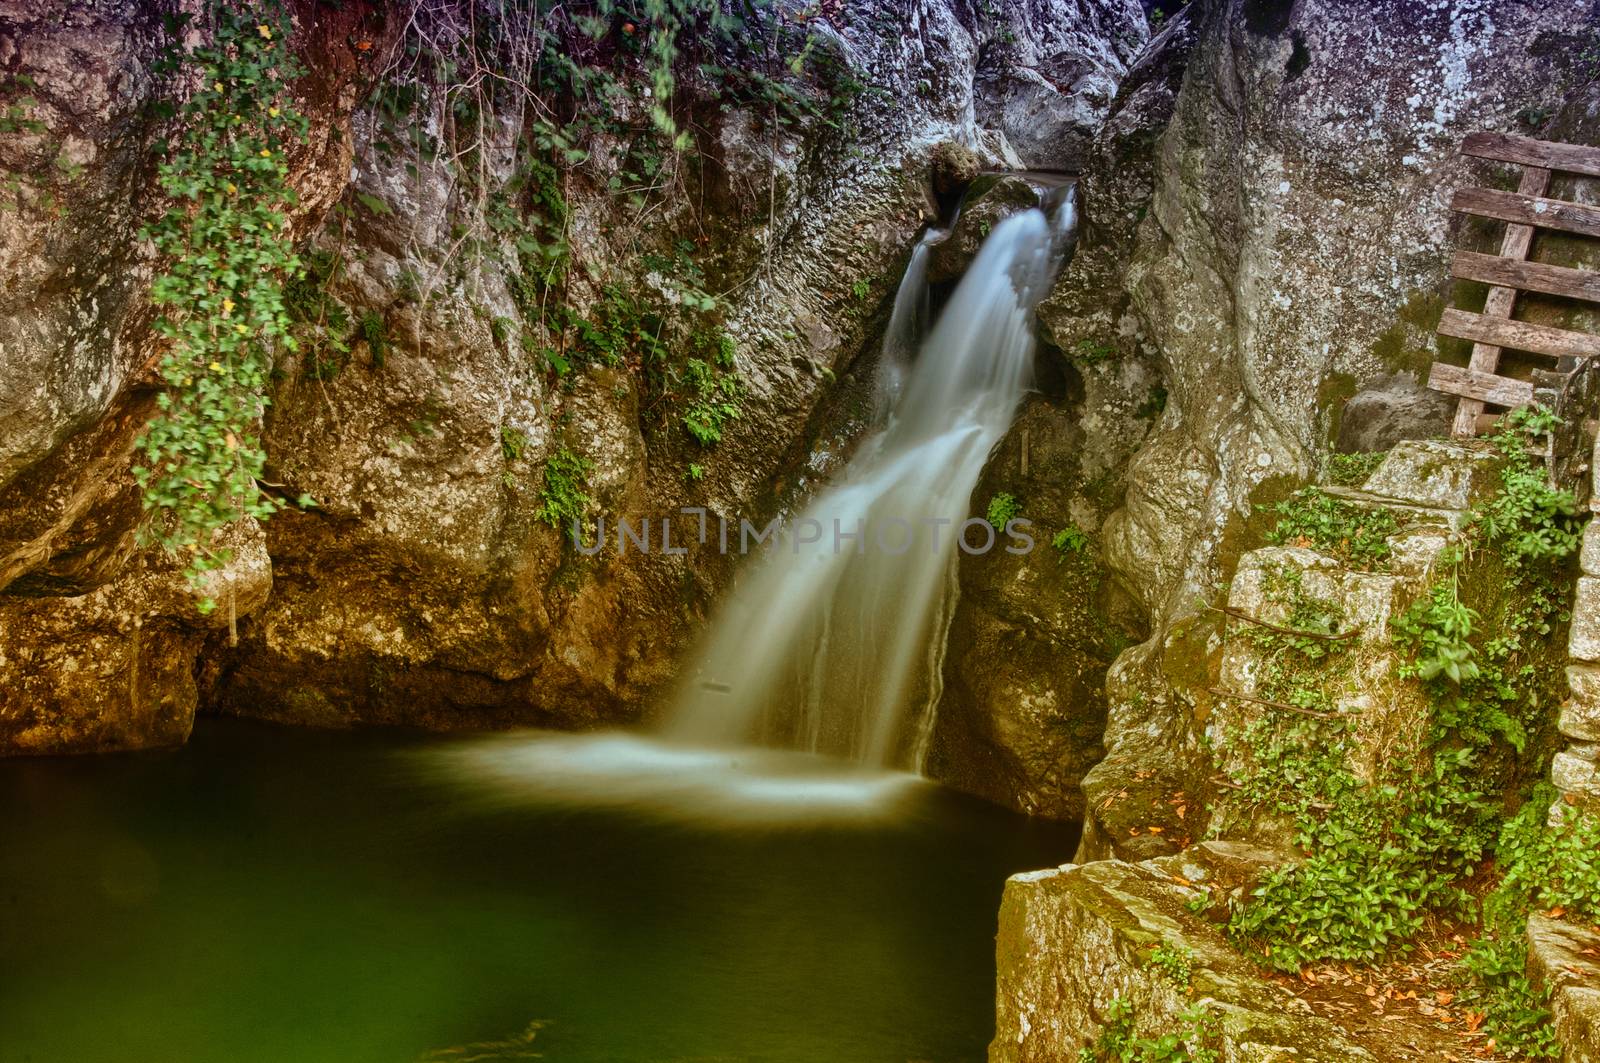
x=1524 y=209
x=1483 y=387
x=1519 y=335
x=1526 y=151
x=1500 y=302
x=1528 y=276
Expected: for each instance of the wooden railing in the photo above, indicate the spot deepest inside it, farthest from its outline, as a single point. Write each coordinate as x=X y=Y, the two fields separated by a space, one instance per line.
x=1479 y=385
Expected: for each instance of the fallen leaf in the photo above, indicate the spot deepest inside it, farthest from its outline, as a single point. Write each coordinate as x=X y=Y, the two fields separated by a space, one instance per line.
x=1155 y=830
x=1555 y=913
x=1474 y=1020
x=1444 y=996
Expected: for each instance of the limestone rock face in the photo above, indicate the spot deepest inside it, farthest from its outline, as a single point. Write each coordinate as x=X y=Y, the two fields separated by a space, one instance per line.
x=1265 y=234
x=1048 y=70
x=1297 y=240
x=425 y=588
x=100 y=642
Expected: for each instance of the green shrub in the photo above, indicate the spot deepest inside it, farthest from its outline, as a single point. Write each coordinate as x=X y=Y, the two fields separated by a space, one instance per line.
x=1175 y=962
x=1337 y=528
x=1003 y=509
x=563 y=500
x=1194 y=1041
x=1353 y=470
x=1069 y=540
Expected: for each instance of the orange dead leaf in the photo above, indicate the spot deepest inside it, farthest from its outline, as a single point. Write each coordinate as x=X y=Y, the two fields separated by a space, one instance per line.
x=1444 y=996
x=1474 y=1020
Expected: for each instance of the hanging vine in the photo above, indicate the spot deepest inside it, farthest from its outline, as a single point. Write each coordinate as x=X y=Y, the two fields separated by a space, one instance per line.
x=226 y=252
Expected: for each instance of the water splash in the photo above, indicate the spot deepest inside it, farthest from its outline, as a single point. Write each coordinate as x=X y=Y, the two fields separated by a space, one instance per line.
x=835 y=646
x=732 y=788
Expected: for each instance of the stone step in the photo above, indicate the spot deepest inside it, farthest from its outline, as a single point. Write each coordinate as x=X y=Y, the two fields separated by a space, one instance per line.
x=1435 y=474
x=1407 y=512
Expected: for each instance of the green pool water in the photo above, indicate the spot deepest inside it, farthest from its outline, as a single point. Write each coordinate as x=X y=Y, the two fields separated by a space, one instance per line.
x=267 y=895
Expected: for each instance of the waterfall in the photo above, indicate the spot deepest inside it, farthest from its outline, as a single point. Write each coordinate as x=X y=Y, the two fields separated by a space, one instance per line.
x=908 y=323
x=833 y=644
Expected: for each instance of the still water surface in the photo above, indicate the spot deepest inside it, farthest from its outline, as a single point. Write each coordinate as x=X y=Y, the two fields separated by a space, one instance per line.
x=284 y=896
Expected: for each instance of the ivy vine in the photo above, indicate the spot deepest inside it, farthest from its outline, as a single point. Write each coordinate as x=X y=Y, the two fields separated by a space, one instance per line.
x=226 y=253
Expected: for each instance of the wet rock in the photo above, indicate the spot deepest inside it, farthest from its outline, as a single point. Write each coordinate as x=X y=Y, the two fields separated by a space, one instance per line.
x=1023 y=705
x=950 y=257
x=115 y=668
x=954 y=167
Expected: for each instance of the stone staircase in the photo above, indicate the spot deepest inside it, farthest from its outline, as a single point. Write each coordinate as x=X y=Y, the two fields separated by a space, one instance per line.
x=1075 y=938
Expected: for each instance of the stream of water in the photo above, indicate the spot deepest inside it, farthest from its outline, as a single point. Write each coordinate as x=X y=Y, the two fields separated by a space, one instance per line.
x=835 y=644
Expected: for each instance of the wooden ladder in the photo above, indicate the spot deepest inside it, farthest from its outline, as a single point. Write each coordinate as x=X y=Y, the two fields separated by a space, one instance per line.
x=1479 y=384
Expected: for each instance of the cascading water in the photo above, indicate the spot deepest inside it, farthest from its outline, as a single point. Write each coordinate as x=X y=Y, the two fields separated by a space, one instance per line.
x=835 y=645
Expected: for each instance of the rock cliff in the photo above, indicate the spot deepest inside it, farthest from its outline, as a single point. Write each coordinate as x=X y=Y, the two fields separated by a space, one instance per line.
x=444 y=380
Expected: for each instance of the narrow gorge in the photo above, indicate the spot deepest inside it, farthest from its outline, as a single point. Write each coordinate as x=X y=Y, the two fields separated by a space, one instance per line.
x=850 y=530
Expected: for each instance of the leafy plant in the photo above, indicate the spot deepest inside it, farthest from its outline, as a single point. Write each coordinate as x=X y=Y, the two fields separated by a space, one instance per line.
x=1093 y=352
x=513 y=441
x=1528 y=519
x=1194 y=1041
x=1354 y=535
x=1069 y=540
x=227 y=252
x=1383 y=852
x=1435 y=629
x=563 y=500
x=714 y=401
x=1175 y=962
x=1555 y=867
x=1003 y=509
x=1353 y=470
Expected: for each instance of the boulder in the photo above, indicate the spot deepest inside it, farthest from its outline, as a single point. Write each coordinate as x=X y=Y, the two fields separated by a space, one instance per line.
x=1391 y=409
x=1076 y=938
x=951 y=256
